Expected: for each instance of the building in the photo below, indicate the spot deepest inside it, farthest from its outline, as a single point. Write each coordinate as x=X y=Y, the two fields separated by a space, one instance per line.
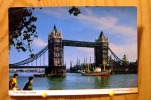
x=101 y=52
x=55 y=53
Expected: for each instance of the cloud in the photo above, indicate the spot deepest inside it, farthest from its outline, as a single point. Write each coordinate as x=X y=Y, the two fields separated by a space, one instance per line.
x=89 y=12
x=39 y=43
x=60 y=12
x=108 y=23
x=129 y=50
x=111 y=24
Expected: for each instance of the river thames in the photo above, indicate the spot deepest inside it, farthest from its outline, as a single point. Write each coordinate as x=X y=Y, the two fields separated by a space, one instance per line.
x=77 y=81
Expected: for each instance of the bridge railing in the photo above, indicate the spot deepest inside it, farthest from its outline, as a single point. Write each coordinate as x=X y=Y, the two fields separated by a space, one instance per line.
x=28 y=60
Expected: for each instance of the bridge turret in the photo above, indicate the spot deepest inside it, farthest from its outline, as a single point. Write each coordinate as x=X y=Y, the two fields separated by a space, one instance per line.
x=101 y=51
x=102 y=38
x=55 y=52
x=55 y=29
x=55 y=33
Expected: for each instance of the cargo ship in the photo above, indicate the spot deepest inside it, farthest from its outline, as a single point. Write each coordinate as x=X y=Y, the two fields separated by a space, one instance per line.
x=97 y=72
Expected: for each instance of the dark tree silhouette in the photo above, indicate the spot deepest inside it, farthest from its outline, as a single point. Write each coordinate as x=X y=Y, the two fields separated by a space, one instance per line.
x=22 y=30
x=75 y=11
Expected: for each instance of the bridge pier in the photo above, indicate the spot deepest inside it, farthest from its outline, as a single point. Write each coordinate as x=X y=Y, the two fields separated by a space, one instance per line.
x=56 y=71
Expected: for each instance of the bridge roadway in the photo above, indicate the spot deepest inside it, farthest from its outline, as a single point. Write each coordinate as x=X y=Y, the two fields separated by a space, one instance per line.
x=11 y=67
x=80 y=43
x=64 y=42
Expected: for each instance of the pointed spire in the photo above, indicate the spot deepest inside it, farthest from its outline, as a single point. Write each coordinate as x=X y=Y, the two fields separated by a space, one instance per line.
x=70 y=63
x=77 y=61
x=90 y=60
x=61 y=31
x=86 y=60
x=101 y=35
x=55 y=29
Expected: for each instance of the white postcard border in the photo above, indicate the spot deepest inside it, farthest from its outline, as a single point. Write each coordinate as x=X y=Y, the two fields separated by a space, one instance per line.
x=72 y=92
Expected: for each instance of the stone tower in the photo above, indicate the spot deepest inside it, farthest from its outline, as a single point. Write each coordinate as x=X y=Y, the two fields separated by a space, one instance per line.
x=101 y=52
x=55 y=53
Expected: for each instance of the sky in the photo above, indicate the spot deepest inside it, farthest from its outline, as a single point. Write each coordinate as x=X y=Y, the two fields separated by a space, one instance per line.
x=119 y=24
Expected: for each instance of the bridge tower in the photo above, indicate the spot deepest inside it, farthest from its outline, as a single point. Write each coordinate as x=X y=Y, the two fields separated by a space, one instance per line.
x=101 y=52
x=55 y=53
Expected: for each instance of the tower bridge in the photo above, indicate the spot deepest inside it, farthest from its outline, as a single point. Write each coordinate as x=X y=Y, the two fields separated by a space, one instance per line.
x=55 y=50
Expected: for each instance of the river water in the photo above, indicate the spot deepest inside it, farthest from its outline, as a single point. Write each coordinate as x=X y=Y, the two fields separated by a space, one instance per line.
x=77 y=81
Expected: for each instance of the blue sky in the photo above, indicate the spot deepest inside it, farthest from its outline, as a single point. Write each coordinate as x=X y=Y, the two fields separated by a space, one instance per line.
x=117 y=23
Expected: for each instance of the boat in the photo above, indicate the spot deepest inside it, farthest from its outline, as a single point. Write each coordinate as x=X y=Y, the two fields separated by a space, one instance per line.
x=39 y=75
x=102 y=73
x=97 y=72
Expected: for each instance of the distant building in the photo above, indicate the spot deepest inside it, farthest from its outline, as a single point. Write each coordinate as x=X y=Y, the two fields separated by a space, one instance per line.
x=125 y=60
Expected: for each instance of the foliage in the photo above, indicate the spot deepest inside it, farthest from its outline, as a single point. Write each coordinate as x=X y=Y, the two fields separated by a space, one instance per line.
x=75 y=11
x=22 y=31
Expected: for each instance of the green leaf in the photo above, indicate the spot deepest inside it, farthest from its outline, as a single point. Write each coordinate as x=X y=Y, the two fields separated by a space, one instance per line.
x=32 y=55
x=23 y=49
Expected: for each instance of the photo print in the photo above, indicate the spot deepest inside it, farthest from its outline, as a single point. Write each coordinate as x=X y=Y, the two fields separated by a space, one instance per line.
x=65 y=50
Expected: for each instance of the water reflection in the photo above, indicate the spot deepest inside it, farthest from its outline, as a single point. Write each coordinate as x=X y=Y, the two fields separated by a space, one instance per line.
x=101 y=82
x=56 y=83
x=77 y=81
